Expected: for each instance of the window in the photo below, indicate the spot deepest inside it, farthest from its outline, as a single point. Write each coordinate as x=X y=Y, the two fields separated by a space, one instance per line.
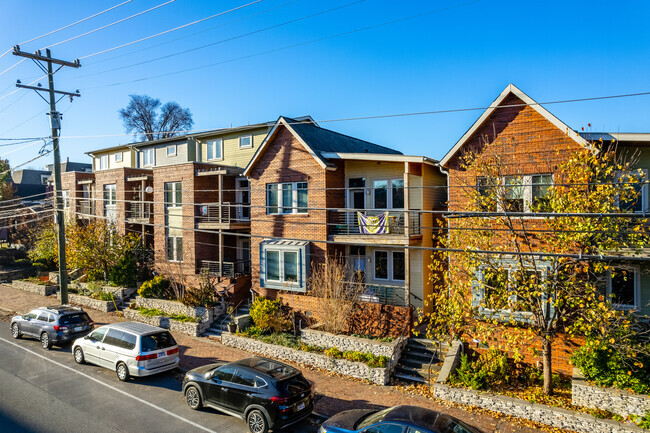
x=44 y=178
x=161 y=340
x=148 y=157
x=110 y=201
x=173 y=194
x=65 y=196
x=103 y=162
x=286 y=198
x=283 y=265
x=487 y=194
x=175 y=249
x=624 y=287
x=637 y=201
x=540 y=186
x=98 y=335
x=243 y=377
x=171 y=150
x=388 y=194
x=43 y=317
x=390 y=265
x=31 y=314
x=118 y=156
x=215 y=149
x=114 y=337
x=514 y=194
x=224 y=373
x=245 y=141
x=496 y=284
x=520 y=193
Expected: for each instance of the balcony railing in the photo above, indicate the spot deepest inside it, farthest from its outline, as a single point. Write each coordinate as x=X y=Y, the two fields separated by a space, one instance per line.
x=227 y=269
x=347 y=223
x=139 y=211
x=85 y=207
x=230 y=213
x=390 y=295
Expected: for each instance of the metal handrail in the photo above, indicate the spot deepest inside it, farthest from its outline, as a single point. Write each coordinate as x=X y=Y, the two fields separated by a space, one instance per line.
x=437 y=352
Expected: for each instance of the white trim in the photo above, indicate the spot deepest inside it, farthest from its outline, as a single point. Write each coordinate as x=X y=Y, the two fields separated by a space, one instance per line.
x=637 y=287
x=389 y=192
x=294 y=198
x=153 y=159
x=216 y=143
x=512 y=89
x=171 y=146
x=104 y=162
x=390 y=265
x=250 y=137
x=121 y=156
x=379 y=157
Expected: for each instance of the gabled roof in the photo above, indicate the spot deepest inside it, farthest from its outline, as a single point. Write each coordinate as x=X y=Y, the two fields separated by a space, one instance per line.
x=319 y=141
x=511 y=89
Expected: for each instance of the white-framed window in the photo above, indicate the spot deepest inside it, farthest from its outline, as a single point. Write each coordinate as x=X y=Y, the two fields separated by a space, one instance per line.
x=44 y=178
x=283 y=265
x=103 y=162
x=286 y=198
x=110 y=201
x=389 y=265
x=639 y=178
x=148 y=157
x=65 y=196
x=388 y=193
x=624 y=287
x=521 y=193
x=171 y=150
x=173 y=194
x=175 y=248
x=245 y=141
x=215 y=150
x=119 y=156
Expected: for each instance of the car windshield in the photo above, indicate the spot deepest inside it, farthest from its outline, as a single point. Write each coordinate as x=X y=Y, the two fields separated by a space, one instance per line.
x=74 y=319
x=371 y=419
x=157 y=341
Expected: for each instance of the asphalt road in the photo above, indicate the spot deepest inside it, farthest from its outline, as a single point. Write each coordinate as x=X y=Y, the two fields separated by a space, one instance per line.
x=46 y=391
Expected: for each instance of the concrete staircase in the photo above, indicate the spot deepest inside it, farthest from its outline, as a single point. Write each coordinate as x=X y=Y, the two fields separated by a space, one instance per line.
x=421 y=361
x=220 y=324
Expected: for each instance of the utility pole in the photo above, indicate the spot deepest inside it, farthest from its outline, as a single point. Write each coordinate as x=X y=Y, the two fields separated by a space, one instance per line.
x=55 y=121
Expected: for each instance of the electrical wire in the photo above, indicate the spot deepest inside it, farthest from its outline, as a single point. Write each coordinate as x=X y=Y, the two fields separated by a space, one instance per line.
x=13 y=66
x=110 y=25
x=169 y=31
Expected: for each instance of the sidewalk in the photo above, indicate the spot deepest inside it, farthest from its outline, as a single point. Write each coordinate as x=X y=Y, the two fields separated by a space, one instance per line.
x=335 y=393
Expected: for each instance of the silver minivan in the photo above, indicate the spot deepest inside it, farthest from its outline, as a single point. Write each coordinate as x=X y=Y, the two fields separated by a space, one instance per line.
x=129 y=349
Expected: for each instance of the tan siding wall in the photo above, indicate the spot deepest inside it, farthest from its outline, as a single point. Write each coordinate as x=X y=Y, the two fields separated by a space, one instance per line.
x=232 y=154
x=417 y=277
x=126 y=162
x=161 y=154
x=373 y=170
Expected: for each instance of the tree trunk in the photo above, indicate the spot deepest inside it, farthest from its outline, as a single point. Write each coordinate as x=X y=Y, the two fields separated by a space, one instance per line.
x=546 y=361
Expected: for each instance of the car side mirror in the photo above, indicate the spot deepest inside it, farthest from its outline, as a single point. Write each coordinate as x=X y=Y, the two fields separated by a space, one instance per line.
x=27 y=318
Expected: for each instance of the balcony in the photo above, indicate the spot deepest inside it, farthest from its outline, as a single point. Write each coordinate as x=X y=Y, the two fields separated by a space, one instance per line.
x=346 y=223
x=223 y=216
x=141 y=212
x=227 y=269
x=85 y=208
x=377 y=293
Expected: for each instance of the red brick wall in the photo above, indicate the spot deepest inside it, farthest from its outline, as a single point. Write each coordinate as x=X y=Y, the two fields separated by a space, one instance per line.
x=528 y=144
x=286 y=160
x=123 y=191
x=69 y=182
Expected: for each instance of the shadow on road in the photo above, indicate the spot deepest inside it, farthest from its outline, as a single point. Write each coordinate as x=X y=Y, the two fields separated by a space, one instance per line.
x=10 y=425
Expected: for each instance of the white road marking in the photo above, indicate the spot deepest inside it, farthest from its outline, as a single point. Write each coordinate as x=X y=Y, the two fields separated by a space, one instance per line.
x=172 y=414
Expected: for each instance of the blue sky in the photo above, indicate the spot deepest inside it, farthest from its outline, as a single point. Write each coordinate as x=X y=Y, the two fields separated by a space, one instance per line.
x=457 y=54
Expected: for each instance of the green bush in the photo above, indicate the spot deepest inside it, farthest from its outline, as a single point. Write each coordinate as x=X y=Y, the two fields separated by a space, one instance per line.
x=125 y=271
x=333 y=352
x=268 y=315
x=154 y=288
x=44 y=264
x=490 y=369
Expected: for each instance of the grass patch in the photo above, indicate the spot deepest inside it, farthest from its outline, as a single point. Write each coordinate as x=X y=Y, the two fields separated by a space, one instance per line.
x=36 y=280
x=151 y=312
x=371 y=337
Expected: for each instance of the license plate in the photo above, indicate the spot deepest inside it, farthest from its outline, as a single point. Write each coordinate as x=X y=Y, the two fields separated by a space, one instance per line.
x=77 y=328
x=301 y=406
x=162 y=354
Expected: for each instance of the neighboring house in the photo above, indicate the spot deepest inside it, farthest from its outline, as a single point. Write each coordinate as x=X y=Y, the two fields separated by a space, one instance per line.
x=537 y=142
x=28 y=182
x=308 y=187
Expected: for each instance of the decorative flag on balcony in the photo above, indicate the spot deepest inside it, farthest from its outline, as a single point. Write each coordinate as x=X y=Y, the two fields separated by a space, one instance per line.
x=371 y=225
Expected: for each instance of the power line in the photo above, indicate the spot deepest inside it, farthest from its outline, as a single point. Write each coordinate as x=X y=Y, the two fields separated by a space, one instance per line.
x=170 y=30
x=110 y=25
x=225 y=40
x=289 y=46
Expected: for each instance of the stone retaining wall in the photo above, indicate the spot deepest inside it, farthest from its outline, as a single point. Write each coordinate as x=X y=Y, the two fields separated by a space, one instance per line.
x=614 y=400
x=119 y=293
x=39 y=289
x=359 y=370
x=190 y=328
x=556 y=417
x=87 y=301
x=175 y=307
x=316 y=337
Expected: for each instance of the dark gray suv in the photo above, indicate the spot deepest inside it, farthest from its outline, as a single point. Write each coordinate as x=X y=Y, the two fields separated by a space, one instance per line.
x=53 y=325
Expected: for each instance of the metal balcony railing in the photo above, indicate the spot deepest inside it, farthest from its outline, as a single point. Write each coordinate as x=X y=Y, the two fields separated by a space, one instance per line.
x=227 y=269
x=139 y=211
x=85 y=207
x=230 y=213
x=378 y=293
x=347 y=223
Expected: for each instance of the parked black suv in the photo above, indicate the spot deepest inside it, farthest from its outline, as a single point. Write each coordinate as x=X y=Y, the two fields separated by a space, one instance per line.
x=264 y=392
x=53 y=325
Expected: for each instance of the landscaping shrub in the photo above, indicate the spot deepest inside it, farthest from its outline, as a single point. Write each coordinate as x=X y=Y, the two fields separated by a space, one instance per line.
x=125 y=271
x=333 y=352
x=204 y=294
x=268 y=315
x=490 y=369
x=154 y=288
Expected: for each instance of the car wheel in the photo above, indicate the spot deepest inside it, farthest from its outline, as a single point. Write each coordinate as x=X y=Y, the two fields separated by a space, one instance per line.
x=46 y=342
x=15 y=331
x=78 y=355
x=257 y=422
x=193 y=398
x=122 y=372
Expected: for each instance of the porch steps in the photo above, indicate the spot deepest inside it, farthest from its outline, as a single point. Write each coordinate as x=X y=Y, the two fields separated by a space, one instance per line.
x=421 y=361
x=220 y=324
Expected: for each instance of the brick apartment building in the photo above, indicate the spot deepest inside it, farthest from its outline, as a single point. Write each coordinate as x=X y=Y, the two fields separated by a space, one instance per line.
x=533 y=142
x=308 y=185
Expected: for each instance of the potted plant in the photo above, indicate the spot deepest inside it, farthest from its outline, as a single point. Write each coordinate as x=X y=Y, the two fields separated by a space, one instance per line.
x=232 y=326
